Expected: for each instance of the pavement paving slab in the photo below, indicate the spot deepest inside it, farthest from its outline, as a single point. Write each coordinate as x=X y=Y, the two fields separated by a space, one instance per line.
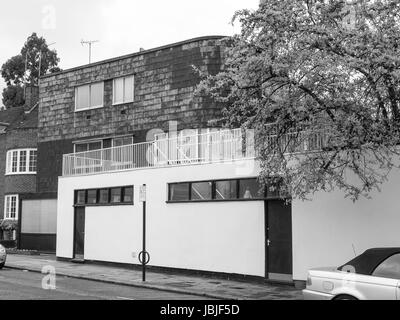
x=197 y=285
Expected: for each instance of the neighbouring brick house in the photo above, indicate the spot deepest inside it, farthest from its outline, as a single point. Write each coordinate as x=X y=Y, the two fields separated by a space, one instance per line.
x=18 y=152
x=118 y=101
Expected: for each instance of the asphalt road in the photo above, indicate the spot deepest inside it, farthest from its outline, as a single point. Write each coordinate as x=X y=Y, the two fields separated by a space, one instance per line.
x=23 y=285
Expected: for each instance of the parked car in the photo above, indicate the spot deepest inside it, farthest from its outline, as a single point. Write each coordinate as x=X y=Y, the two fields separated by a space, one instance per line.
x=3 y=256
x=373 y=275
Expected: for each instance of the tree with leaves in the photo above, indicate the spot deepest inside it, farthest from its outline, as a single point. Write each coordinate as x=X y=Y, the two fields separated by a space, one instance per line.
x=35 y=59
x=319 y=82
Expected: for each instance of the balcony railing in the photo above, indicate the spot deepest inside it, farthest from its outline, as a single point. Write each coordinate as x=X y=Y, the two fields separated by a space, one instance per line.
x=183 y=149
x=297 y=141
x=178 y=149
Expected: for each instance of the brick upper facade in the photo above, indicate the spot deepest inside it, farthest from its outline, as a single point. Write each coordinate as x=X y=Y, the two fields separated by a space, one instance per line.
x=163 y=91
x=164 y=83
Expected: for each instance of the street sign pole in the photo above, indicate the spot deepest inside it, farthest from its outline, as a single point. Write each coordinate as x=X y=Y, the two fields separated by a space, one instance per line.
x=144 y=243
x=144 y=256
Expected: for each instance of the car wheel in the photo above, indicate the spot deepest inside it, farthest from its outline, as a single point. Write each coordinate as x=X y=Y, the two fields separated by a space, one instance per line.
x=345 y=297
x=1 y=265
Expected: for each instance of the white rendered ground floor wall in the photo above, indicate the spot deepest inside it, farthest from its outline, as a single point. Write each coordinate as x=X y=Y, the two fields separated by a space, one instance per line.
x=329 y=230
x=226 y=237
x=220 y=237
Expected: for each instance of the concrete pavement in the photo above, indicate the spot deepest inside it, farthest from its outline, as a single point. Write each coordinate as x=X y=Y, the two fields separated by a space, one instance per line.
x=184 y=284
x=20 y=285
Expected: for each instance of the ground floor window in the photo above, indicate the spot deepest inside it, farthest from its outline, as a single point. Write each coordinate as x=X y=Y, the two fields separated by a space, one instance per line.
x=201 y=190
x=250 y=189
x=104 y=196
x=224 y=190
x=11 y=207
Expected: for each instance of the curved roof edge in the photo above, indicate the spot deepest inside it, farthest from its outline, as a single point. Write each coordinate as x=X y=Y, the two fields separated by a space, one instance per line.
x=176 y=44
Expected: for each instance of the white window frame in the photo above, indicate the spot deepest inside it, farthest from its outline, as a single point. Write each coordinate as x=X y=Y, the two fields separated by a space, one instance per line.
x=9 y=161
x=7 y=206
x=90 y=95
x=133 y=90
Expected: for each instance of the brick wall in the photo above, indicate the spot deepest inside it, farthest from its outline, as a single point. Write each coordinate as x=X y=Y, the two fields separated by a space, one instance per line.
x=21 y=138
x=2 y=171
x=15 y=184
x=50 y=163
x=164 y=85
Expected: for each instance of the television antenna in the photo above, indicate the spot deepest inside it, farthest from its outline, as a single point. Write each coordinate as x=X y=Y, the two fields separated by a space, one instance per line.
x=89 y=43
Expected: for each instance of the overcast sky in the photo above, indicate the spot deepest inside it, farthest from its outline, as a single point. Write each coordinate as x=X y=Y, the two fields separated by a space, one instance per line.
x=121 y=26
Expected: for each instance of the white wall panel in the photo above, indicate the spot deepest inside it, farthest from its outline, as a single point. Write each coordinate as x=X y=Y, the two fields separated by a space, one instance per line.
x=221 y=237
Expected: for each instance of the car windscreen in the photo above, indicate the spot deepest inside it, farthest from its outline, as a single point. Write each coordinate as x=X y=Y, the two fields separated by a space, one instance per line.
x=366 y=262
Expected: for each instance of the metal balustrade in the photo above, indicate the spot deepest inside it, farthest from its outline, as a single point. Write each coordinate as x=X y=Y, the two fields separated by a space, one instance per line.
x=180 y=149
x=221 y=145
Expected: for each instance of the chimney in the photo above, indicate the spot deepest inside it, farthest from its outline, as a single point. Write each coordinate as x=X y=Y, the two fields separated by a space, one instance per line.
x=31 y=97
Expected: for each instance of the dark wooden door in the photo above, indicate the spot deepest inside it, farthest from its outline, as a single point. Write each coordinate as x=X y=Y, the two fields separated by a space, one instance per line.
x=278 y=240
x=79 y=233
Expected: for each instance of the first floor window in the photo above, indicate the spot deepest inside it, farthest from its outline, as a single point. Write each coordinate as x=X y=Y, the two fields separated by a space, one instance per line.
x=32 y=160
x=21 y=161
x=123 y=90
x=88 y=146
x=89 y=96
x=14 y=166
x=11 y=207
x=122 y=141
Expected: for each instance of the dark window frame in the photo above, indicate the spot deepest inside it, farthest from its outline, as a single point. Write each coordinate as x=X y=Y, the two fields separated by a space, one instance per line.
x=104 y=204
x=108 y=195
x=76 y=197
x=87 y=196
x=196 y=182
x=120 y=194
x=213 y=191
x=238 y=189
x=123 y=194
x=189 y=191
x=237 y=183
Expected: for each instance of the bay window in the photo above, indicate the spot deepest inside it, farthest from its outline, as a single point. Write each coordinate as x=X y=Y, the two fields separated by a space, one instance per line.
x=22 y=161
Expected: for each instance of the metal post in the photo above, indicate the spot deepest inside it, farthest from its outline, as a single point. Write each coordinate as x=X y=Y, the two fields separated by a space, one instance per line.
x=144 y=243
x=90 y=52
x=89 y=43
